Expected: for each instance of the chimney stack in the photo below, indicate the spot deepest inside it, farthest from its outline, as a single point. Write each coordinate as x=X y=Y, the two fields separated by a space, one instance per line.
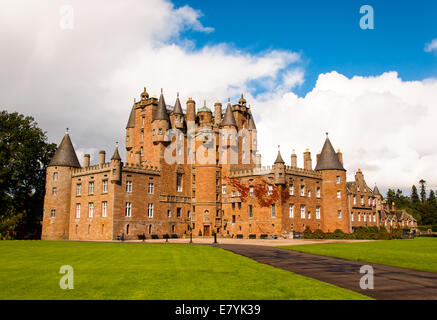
x=102 y=154
x=217 y=113
x=86 y=160
x=293 y=160
x=340 y=156
x=191 y=110
x=307 y=163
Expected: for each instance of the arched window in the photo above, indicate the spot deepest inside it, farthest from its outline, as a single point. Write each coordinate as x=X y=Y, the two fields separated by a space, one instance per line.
x=127 y=229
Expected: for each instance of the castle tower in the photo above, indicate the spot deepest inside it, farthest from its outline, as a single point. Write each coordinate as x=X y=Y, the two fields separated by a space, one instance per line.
x=253 y=137
x=160 y=121
x=279 y=169
x=116 y=166
x=130 y=128
x=334 y=194
x=205 y=116
x=56 y=216
x=178 y=114
x=230 y=130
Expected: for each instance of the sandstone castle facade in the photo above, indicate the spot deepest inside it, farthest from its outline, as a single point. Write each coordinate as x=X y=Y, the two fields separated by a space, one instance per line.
x=199 y=172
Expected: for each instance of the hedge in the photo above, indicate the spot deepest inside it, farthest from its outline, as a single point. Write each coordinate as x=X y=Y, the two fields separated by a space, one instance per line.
x=361 y=233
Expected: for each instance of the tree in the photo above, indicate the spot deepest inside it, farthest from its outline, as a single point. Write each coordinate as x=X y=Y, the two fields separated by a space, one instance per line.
x=24 y=155
x=432 y=199
x=414 y=196
x=422 y=191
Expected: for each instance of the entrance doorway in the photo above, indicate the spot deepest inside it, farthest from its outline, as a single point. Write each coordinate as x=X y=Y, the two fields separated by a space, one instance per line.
x=206 y=230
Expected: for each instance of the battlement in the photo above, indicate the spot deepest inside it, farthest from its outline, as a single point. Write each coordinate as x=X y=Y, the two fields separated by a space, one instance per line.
x=98 y=168
x=303 y=172
x=141 y=168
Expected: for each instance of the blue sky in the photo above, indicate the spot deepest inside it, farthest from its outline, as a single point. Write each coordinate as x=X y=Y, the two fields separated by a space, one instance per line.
x=327 y=34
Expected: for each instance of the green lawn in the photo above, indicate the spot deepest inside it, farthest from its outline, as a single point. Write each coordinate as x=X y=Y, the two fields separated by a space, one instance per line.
x=418 y=253
x=30 y=270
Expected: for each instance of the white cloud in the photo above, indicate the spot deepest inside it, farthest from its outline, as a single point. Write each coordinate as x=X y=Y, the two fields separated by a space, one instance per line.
x=432 y=46
x=86 y=79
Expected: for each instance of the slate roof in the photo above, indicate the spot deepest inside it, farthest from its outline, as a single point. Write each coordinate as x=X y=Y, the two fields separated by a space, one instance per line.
x=65 y=154
x=328 y=159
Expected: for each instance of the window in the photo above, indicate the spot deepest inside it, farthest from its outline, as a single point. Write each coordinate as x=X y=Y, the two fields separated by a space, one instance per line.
x=374 y=217
x=233 y=194
x=273 y=211
x=302 y=191
x=223 y=189
x=338 y=179
x=270 y=192
x=233 y=205
x=78 y=189
x=77 y=210
x=90 y=209
x=104 y=208
x=359 y=216
x=338 y=194
x=309 y=214
x=179 y=182
x=105 y=186
x=365 y=217
x=290 y=190
x=352 y=216
x=249 y=210
x=369 y=201
x=318 y=192
x=355 y=200
x=302 y=211
x=168 y=213
x=362 y=200
x=54 y=191
x=309 y=193
x=150 y=188
x=160 y=131
x=373 y=202
x=233 y=219
x=143 y=118
x=55 y=176
x=128 y=186
x=142 y=135
x=291 y=210
x=339 y=214
x=239 y=193
x=141 y=151
x=178 y=212
x=150 y=210
x=52 y=213
x=128 y=209
x=91 y=187
x=318 y=212
x=251 y=191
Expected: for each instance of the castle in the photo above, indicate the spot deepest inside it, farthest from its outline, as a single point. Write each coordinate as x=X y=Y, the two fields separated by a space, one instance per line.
x=199 y=172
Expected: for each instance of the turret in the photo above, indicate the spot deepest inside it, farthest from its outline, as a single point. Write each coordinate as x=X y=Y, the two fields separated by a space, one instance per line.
x=129 y=128
x=279 y=169
x=205 y=116
x=178 y=114
x=56 y=216
x=160 y=122
x=228 y=119
x=116 y=166
x=334 y=193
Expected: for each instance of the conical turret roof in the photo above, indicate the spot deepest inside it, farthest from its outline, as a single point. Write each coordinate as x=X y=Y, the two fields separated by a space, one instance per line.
x=116 y=155
x=376 y=191
x=177 y=106
x=328 y=159
x=131 y=121
x=65 y=154
x=228 y=119
x=279 y=158
x=161 y=112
